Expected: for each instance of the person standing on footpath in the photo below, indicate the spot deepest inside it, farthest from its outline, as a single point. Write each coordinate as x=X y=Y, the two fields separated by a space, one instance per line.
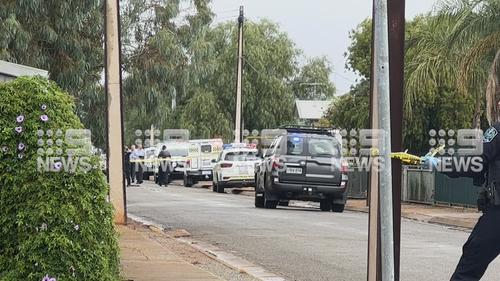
x=141 y=155
x=132 y=157
x=127 y=164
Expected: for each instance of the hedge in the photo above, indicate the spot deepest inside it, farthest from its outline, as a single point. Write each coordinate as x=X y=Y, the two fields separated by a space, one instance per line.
x=53 y=225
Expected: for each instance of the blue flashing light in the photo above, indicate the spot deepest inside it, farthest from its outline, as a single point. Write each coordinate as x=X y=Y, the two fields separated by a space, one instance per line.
x=296 y=139
x=226 y=146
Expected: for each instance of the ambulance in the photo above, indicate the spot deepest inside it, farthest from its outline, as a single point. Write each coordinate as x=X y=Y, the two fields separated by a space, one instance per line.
x=201 y=159
x=235 y=166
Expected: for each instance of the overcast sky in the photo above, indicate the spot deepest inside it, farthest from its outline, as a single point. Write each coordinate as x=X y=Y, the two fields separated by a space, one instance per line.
x=319 y=27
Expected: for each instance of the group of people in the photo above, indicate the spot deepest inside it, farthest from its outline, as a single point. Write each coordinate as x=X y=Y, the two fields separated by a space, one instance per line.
x=130 y=167
x=135 y=170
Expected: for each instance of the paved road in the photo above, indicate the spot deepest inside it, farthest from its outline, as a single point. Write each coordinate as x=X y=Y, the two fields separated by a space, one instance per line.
x=298 y=243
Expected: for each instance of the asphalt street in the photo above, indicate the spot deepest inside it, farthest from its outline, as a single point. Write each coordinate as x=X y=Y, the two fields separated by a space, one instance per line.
x=297 y=243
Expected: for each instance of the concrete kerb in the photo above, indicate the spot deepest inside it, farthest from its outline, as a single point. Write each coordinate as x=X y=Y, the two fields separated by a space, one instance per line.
x=215 y=253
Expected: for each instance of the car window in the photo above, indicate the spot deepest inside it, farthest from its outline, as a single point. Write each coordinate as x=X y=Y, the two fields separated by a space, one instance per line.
x=295 y=145
x=206 y=148
x=241 y=156
x=178 y=151
x=323 y=147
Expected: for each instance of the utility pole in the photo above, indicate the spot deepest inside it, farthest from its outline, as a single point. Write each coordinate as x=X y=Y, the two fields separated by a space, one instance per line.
x=396 y=25
x=114 y=118
x=152 y=136
x=174 y=99
x=381 y=181
x=312 y=84
x=239 y=79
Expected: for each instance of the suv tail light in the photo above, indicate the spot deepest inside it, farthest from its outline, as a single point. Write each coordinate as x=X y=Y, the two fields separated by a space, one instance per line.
x=226 y=165
x=345 y=167
x=188 y=162
x=276 y=164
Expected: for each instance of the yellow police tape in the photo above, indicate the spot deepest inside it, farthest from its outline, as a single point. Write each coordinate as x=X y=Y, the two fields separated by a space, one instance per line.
x=174 y=159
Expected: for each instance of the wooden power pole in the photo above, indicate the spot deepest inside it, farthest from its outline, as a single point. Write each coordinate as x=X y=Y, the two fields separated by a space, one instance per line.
x=114 y=118
x=238 y=125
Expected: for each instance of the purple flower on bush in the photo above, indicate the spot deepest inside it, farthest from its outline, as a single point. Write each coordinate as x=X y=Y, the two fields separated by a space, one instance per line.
x=71 y=172
x=19 y=129
x=95 y=167
x=20 y=146
x=44 y=225
x=5 y=149
x=20 y=118
x=44 y=118
x=107 y=198
x=70 y=155
x=57 y=165
x=77 y=227
x=44 y=107
x=20 y=156
x=47 y=278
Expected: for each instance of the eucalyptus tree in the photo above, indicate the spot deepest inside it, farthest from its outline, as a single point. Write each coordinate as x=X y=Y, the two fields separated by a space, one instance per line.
x=315 y=70
x=165 y=54
x=65 y=38
x=270 y=64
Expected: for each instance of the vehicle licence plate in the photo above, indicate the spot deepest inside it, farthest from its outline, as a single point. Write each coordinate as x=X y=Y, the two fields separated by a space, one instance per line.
x=243 y=170
x=206 y=172
x=294 y=170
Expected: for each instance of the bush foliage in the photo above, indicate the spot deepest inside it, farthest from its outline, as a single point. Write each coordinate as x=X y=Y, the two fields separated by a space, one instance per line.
x=52 y=224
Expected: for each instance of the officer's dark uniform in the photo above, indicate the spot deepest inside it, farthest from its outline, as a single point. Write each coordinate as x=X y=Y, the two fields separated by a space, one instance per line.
x=483 y=244
x=127 y=165
x=164 y=167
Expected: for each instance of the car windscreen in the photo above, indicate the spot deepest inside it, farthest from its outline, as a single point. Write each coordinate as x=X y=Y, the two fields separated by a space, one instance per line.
x=241 y=156
x=318 y=146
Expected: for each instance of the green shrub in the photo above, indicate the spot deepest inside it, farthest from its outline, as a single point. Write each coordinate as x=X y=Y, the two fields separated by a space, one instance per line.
x=56 y=224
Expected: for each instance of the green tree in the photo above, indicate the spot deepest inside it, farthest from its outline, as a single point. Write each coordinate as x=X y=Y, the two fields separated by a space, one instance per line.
x=317 y=70
x=269 y=67
x=474 y=30
x=65 y=38
x=431 y=94
x=166 y=55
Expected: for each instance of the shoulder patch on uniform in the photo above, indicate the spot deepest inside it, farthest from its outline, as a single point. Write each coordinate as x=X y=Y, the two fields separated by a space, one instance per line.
x=490 y=134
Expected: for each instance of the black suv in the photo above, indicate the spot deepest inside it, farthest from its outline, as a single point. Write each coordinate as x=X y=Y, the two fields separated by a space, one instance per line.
x=302 y=163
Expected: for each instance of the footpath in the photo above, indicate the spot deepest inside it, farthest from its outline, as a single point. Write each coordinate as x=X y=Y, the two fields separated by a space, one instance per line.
x=445 y=215
x=143 y=259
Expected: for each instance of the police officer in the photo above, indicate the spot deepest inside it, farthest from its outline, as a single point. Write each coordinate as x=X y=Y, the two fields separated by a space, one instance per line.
x=483 y=244
x=164 y=166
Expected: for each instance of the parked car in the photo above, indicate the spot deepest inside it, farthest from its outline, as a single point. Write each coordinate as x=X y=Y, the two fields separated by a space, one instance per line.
x=302 y=163
x=235 y=166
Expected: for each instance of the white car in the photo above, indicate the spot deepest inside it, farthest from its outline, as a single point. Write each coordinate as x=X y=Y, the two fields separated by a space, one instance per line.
x=235 y=167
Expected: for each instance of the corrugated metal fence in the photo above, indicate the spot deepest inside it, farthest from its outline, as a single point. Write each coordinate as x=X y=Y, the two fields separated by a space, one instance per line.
x=422 y=186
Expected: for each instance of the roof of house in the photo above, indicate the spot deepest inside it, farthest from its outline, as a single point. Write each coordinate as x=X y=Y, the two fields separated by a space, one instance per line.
x=16 y=70
x=310 y=109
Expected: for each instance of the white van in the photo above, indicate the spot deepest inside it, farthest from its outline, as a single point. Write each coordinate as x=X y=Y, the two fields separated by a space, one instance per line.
x=202 y=156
